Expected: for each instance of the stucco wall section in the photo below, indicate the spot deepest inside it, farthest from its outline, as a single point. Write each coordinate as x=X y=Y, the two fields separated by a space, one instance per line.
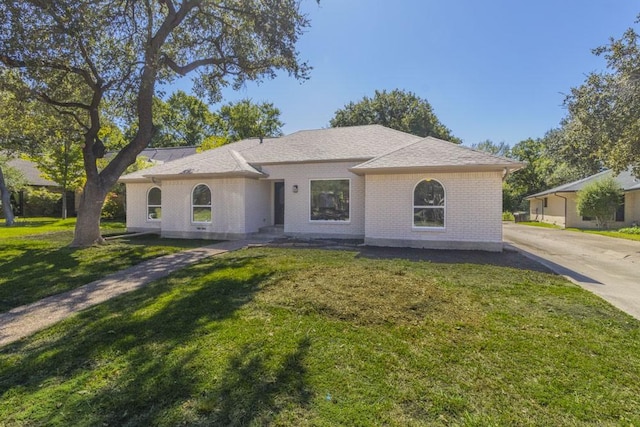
x=259 y=204
x=136 y=196
x=296 y=210
x=632 y=212
x=552 y=214
x=473 y=208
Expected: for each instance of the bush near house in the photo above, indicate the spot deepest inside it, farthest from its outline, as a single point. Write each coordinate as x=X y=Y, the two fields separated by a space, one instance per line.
x=599 y=200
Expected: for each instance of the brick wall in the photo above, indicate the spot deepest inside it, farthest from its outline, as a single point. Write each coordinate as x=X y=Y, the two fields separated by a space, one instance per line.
x=472 y=212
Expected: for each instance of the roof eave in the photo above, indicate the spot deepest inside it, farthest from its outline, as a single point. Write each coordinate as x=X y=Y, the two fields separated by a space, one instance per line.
x=441 y=168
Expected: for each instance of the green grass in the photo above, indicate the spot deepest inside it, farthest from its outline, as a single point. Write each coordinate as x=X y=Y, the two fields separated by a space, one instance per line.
x=35 y=260
x=539 y=224
x=309 y=337
x=618 y=234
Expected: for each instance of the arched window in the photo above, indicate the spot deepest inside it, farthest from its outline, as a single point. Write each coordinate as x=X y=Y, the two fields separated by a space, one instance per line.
x=428 y=204
x=154 y=204
x=201 y=204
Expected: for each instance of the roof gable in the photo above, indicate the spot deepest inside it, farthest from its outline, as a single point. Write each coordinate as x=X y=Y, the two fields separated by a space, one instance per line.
x=434 y=153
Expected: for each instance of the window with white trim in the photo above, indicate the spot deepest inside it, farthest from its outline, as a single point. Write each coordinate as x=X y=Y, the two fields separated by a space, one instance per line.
x=201 y=203
x=428 y=204
x=329 y=200
x=154 y=204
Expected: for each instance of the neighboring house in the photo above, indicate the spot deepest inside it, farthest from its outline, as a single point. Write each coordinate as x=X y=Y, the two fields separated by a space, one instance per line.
x=33 y=178
x=386 y=187
x=559 y=205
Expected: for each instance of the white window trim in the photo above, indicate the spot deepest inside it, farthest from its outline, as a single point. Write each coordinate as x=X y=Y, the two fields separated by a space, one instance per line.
x=210 y=206
x=153 y=206
x=325 y=221
x=413 y=207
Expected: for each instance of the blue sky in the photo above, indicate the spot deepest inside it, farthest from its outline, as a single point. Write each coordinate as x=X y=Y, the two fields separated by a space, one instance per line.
x=495 y=69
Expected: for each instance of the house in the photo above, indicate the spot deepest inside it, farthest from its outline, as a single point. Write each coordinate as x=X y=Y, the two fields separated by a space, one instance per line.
x=559 y=205
x=386 y=187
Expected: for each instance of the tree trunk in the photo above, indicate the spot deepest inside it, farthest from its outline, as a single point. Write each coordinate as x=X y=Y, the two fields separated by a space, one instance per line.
x=87 y=230
x=64 y=203
x=6 y=201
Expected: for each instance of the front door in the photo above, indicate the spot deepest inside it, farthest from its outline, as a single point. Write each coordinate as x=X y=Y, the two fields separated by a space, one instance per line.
x=278 y=203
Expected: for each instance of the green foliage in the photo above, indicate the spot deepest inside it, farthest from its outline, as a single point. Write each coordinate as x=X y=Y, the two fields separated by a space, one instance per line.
x=92 y=59
x=398 y=109
x=245 y=119
x=630 y=230
x=599 y=200
x=508 y=216
x=502 y=149
x=114 y=206
x=42 y=202
x=602 y=124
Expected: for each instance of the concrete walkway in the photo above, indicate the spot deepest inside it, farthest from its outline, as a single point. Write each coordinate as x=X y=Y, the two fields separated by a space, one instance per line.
x=23 y=321
x=606 y=266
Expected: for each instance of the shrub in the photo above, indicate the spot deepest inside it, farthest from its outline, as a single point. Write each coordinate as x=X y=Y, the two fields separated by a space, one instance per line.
x=113 y=207
x=599 y=200
x=508 y=216
x=42 y=202
x=630 y=230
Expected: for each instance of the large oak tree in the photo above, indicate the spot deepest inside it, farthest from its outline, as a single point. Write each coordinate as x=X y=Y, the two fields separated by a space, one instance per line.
x=398 y=109
x=121 y=51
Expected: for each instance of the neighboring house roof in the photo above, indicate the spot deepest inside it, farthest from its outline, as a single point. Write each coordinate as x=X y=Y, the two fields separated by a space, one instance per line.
x=167 y=154
x=31 y=173
x=433 y=154
x=626 y=180
x=380 y=148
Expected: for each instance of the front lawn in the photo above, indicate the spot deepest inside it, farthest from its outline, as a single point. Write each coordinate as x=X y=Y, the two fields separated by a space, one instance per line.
x=35 y=260
x=310 y=337
x=618 y=234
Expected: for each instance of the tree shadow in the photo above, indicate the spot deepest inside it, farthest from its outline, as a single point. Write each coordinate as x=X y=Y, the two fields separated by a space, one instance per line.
x=498 y=259
x=144 y=340
x=252 y=393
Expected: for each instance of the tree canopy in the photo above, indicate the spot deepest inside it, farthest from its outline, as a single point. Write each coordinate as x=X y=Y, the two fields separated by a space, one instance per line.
x=398 y=109
x=600 y=200
x=603 y=121
x=116 y=54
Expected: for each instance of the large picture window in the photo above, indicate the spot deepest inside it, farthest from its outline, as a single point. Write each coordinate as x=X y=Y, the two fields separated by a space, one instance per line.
x=201 y=204
x=154 y=204
x=329 y=200
x=428 y=204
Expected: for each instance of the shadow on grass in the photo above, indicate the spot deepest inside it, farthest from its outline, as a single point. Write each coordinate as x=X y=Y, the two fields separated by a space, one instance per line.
x=33 y=270
x=139 y=359
x=499 y=259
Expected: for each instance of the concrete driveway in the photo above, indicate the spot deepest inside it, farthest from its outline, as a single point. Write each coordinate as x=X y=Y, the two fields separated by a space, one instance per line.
x=606 y=266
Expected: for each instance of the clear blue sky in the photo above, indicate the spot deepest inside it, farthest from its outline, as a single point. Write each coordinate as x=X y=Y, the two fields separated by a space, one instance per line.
x=493 y=69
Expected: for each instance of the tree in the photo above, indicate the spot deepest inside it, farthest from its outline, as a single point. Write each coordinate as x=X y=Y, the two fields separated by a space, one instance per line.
x=398 y=109
x=118 y=53
x=603 y=125
x=244 y=119
x=600 y=200
x=488 y=146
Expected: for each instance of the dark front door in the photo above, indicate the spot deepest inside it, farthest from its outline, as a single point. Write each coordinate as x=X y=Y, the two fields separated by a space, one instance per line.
x=278 y=203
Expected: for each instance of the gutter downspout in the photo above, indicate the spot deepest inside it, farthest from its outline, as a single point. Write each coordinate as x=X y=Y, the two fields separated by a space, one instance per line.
x=565 y=208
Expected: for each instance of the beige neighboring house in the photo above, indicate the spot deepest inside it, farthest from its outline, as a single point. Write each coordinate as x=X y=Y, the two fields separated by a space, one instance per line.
x=558 y=205
x=386 y=187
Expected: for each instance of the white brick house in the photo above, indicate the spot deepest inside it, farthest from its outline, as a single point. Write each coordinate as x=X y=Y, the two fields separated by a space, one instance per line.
x=363 y=182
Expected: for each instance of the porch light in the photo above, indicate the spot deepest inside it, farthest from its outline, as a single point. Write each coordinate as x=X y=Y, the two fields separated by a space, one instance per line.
x=295 y=188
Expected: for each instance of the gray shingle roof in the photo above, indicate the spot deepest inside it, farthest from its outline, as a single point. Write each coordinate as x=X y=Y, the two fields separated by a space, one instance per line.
x=31 y=173
x=344 y=143
x=167 y=154
x=380 y=148
x=224 y=160
x=625 y=179
x=433 y=153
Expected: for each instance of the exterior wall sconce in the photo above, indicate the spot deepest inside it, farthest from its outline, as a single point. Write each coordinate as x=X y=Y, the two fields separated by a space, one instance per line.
x=295 y=188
